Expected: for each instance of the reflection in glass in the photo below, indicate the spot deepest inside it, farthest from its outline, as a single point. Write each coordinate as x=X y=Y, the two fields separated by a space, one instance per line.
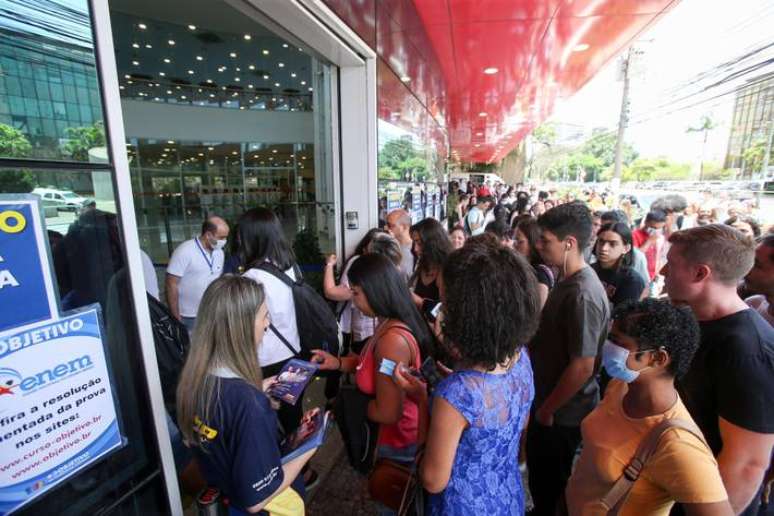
x=49 y=99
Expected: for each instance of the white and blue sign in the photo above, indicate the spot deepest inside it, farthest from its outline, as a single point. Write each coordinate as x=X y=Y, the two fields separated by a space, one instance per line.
x=57 y=412
x=27 y=292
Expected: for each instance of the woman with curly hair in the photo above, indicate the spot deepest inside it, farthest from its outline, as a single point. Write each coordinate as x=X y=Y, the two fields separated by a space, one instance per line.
x=651 y=343
x=431 y=247
x=479 y=411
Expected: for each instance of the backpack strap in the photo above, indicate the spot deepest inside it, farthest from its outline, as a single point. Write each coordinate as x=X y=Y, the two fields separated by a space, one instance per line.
x=282 y=338
x=615 y=498
x=279 y=274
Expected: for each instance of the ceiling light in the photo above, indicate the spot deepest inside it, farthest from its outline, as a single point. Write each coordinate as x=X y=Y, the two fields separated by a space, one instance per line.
x=169 y=92
x=183 y=97
x=303 y=83
x=192 y=27
x=136 y=63
x=482 y=114
x=212 y=95
x=210 y=148
x=171 y=42
x=238 y=69
x=274 y=151
x=237 y=79
x=142 y=26
x=156 y=99
x=581 y=47
x=247 y=37
x=274 y=99
x=478 y=145
x=135 y=45
x=265 y=76
x=234 y=153
x=199 y=58
x=277 y=84
x=127 y=76
x=479 y=134
x=310 y=89
x=250 y=86
x=232 y=54
x=265 y=52
x=405 y=79
x=251 y=67
x=284 y=45
x=171 y=142
x=209 y=81
x=281 y=65
x=241 y=107
x=167 y=60
x=190 y=72
x=148 y=45
x=293 y=74
x=491 y=70
x=300 y=49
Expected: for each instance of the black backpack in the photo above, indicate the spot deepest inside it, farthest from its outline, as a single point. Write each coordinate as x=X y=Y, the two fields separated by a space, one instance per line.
x=316 y=322
x=171 y=340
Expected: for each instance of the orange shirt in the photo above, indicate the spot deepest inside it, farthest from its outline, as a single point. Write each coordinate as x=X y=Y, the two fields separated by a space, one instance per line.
x=682 y=469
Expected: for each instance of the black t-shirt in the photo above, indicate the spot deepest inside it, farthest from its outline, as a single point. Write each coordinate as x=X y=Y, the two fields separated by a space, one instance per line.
x=621 y=283
x=732 y=376
x=544 y=275
x=240 y=452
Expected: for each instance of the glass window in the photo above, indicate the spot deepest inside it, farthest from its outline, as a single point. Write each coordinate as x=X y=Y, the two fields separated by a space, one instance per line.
x=56 y=36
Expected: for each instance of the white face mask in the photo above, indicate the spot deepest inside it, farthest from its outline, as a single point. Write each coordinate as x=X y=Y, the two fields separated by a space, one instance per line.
x=219 y=244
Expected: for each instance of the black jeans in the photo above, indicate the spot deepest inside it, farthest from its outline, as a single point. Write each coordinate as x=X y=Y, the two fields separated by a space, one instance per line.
x=550 y=453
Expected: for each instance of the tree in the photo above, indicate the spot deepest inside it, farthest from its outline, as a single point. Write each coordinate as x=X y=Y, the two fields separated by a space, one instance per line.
x=654 y=169
x=14 y=144
x=706 y=124
x=593 y=159
x=83 y=139
x=753 y=156
x=399 y=160
x=544 y=135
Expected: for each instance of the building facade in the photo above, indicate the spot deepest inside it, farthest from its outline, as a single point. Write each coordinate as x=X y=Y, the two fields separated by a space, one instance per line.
x=752 y=121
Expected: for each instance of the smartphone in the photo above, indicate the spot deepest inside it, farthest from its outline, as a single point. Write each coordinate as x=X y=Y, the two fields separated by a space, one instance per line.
x=429 y=372
x=431 y=309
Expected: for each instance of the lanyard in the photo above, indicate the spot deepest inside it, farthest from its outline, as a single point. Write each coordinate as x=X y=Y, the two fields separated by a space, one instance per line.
x=209 y=262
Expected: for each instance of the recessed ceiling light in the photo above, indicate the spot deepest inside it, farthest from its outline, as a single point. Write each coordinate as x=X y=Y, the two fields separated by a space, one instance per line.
x=199 y=58
x=190 y=72
x=183 y=97
x=171 y=42
x=136 y=63
x=237 y=79
x=265 y=76
x=284 y=45
x=274 y=151
x=148 y=45
x=251 y=67
x=300 y=49
x=281 y=65
x=142 y=26
x=303 y=83
x=265 y=52
x=247 y=37
x=273 y=99
x=478 y=145
x=310 y=89
x=482 y=114
x=293 y=74
x=238 y=69
x=212 y=95
x=209 y=81
x=479 y=134
x=169 y=92
x=127 y=76
x=232 y=54
x=277 y=84
x=491 y=70
x=135 y=45
x=405 y=79
x=167 y=60
x=581 y=47
x=250 y=86
x=171 y=142
x=192 y=27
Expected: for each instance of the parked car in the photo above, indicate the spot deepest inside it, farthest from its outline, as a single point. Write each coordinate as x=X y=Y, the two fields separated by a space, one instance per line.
x=63 y=200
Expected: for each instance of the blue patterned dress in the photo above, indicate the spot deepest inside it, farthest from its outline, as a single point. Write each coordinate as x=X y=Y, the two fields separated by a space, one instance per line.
x=485 y=477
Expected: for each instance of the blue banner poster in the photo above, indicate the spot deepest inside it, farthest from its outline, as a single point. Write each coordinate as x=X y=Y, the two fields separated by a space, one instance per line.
x=27 y=292
x=57 y=410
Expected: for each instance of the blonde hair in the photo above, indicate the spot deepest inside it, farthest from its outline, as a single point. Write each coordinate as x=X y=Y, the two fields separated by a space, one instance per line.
x=224 y=337
x=729 y=253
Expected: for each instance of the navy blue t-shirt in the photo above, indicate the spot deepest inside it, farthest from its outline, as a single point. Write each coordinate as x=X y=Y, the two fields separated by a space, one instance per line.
x=240 y=451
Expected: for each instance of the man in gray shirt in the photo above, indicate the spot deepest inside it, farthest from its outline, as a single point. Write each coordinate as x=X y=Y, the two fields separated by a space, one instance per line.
x=573 y=327
x=399 y=226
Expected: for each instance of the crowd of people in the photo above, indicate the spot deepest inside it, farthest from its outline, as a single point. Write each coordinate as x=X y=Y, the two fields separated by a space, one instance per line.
x=625 y=363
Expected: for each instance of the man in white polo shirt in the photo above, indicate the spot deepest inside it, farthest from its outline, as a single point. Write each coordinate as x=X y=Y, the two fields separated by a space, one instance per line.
x=194 y=265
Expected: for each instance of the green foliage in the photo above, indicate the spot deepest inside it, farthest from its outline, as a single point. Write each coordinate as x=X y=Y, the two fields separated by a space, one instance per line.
x=653 y=169
x=83 y=139
x=592 y=161
x=545 y=134
x=399 y=160
x=753 y=156
x=306 y=247
x=13 y=144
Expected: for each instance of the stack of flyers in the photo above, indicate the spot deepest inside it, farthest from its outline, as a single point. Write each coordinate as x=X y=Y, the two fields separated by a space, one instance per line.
x=310 y=434
x=292 y=380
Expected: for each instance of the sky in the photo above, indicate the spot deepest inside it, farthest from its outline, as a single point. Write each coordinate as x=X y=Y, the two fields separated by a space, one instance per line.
x=694 y=37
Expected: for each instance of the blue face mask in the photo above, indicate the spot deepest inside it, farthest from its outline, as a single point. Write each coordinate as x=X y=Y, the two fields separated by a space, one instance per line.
x=614 y=361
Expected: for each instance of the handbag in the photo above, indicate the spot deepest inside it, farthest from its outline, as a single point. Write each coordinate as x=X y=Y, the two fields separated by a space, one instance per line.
x=357 y=431
x=396 y=486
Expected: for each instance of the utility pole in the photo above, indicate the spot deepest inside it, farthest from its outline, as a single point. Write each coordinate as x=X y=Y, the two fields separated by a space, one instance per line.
x=623 y=118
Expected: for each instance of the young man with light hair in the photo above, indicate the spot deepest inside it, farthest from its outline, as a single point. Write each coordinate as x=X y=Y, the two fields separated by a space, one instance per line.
x=729 y=389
